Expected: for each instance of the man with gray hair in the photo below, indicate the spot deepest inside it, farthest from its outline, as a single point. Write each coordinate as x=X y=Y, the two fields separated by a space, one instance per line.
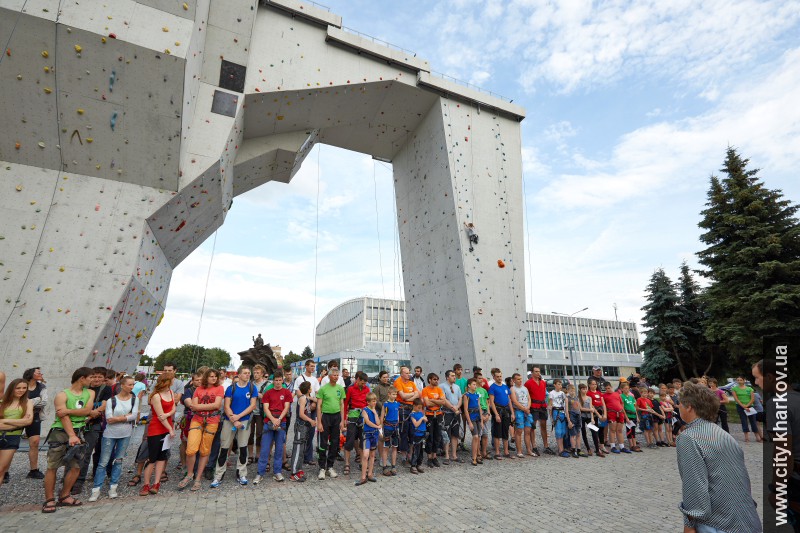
x=716 y=486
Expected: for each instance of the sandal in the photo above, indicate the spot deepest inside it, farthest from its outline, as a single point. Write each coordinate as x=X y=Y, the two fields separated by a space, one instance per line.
x=135 y=480
x=360 y=482
x=164 y=477
x=498 y=457
x=520 y=456
x=185 y=482
x=62 y=502
x=47 y=508
x=346 y=470
x=508 y=456
x=197 y=486
x=474 y=463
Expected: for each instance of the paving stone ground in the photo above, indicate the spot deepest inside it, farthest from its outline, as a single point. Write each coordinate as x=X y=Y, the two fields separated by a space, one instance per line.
x=637 y=492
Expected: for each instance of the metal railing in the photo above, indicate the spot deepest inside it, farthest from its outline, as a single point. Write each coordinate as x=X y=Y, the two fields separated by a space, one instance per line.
x=446 y=77
x=379 y=41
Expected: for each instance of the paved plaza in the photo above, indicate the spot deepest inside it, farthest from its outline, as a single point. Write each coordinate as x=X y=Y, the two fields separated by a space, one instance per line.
x=637 y=492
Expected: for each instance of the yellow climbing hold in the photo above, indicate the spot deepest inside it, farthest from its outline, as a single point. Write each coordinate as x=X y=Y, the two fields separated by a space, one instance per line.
x=89 y=140
x=28 y=350
x=61 y=269
x=28 y=321
x=47 y=69
x=177 y=43
x=165 y=29
x=48 y=90
x=19 y=77
x=19 y=188
x=48 y=289
x=45 y=54
x=103 y=40
x=167 y=51
x=80 y=111
x=52 y=250
x=185 y=6
x=78 y=48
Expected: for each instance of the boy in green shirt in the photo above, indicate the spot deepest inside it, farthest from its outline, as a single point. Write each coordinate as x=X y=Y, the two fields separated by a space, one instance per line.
x=487 y=418
x=330 y=423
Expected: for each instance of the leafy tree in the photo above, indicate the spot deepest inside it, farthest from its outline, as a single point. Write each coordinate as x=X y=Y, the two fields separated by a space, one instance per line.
x=190 y=357
x=145 y=360
x=752 y=259
x=664 y=339
x=290 y=358
x=307 y=353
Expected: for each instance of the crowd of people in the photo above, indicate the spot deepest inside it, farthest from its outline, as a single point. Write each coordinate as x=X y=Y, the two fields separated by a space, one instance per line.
x=414 y=422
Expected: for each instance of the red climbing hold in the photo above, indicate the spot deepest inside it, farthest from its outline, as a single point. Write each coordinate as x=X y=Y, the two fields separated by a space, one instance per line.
x=181 y=225
x=500 y=263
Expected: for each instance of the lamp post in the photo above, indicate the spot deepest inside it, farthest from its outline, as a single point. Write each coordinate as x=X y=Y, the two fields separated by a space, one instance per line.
x=571 y=347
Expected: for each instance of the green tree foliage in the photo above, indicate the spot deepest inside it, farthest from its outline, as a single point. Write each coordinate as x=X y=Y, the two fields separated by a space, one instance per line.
x=190 y=357
x=752 y=260
x=145 y=360
x=307 y=353
x=290 y=358
x=664 y=338
x=699 y=354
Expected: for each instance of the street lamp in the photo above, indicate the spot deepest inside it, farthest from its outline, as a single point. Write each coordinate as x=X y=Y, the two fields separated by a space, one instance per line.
x=571 y=348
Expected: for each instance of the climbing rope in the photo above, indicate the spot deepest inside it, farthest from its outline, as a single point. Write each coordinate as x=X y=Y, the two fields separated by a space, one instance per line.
x=195 y=355
x=378 y=228
x=316 y=260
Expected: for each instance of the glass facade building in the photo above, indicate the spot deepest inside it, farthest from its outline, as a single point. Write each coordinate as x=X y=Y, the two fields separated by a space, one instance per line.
x=371 y=334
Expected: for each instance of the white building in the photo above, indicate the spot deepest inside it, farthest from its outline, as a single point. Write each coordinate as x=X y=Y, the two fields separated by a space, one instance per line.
x=371 y=334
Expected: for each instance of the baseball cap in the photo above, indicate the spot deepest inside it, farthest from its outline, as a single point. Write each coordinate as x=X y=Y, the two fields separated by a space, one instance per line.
x=623 y=380
x=597 y=367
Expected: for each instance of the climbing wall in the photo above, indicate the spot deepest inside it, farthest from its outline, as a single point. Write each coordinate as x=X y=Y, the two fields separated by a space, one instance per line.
x=129 y=127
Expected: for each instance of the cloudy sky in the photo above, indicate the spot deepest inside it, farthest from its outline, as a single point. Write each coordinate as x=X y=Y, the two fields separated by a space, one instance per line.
x=630 y=108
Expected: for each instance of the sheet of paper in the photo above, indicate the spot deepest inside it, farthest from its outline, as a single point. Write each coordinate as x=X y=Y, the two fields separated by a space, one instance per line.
x=592 y=427
x=750 y=411
x=167 y=443
x=629 y=424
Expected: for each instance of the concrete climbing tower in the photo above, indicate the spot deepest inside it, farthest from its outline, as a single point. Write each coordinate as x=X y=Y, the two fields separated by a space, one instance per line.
x=129 y=126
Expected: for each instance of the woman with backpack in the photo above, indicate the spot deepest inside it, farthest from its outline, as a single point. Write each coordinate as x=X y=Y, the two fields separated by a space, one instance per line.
x=121 y=413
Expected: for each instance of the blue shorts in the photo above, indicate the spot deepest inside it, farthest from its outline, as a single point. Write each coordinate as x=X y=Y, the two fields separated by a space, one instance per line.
x=371 y=440
x=647 y=422
x=522 y=420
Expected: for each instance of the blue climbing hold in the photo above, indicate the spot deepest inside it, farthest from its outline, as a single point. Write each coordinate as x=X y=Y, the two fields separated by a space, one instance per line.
x=113 y=120
x=111 y=80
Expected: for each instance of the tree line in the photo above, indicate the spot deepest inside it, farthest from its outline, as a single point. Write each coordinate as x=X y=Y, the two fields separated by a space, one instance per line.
x=751 y=262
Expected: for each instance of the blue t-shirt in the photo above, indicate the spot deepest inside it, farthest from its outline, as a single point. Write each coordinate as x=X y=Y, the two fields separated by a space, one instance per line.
x=473 y=402
x=240 y=398
x=369 y=430
x=501 y=393
x=419 y=430
x=392 y=412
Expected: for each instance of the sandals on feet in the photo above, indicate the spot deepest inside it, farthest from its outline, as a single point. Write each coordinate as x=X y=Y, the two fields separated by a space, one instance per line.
x=185 y=482
x=197 y=486
x=47 y=508
x=346 y=470
x=62 y=502
x=135 y=480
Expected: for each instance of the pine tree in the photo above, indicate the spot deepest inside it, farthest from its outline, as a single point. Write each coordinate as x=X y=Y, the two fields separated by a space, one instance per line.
x=307 y=353
x=664 y=338
x=699 y=353
x=752 y=260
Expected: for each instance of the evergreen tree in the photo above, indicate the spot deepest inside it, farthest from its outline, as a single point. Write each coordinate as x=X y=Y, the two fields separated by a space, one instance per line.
x=752 y=260
x=307 y=353
x=700 y=355
x=664 y=338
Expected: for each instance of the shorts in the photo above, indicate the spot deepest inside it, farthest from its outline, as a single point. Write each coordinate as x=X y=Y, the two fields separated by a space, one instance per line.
x=538 y=414
x=646 y=422
x=500 y=429
x=371 y=440
x=521 y=420
x=58 y=442
x=451 y=428
x=155 y=443
x=9 y=442
x=35 y=429
x=184 y=425
x=201 y=437
x=576 y=420
x=478 y=429
x=391 y=435
x=354 y=431
x=616 y=416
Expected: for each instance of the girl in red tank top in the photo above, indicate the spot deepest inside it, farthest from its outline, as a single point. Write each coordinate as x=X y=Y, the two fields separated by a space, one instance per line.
x=159 y=428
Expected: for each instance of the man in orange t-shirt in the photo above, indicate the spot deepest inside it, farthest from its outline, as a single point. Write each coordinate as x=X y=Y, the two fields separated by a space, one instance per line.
x=406 y=394
x=433 y=398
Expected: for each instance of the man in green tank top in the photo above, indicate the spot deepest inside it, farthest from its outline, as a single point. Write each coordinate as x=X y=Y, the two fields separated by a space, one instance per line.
x=73 y=405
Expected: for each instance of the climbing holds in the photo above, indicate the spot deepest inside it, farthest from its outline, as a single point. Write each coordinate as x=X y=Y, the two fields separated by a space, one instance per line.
x=501 y=263
x=45 y=54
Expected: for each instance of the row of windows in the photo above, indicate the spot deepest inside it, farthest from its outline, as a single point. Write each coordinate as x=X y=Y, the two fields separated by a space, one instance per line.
x=582 y=371
x=551 y=340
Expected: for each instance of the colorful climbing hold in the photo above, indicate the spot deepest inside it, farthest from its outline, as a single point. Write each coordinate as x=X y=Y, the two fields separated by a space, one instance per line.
x=45 y=54
x=501 y=263
x=78 y=48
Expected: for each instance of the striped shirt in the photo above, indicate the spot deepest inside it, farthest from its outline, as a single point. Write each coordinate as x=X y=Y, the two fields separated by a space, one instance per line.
x=716 y=486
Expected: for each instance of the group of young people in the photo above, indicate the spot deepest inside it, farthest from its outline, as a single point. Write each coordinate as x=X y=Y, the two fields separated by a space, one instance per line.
x=412 y=421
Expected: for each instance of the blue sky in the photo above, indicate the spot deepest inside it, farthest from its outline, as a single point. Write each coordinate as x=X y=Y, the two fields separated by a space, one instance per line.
x=630 y=108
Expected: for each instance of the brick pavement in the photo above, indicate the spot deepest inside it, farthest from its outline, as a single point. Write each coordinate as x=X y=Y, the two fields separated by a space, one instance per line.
x=543 y=494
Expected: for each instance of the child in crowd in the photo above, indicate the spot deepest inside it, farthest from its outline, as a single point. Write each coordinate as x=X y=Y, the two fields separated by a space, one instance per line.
x=616 y=419
x=722 y=414
x=486 y=418
x=558 y=403
x=303 y=430
x=658 y=417
x=390 y=420
x=644 y=409
x=629 y=405
x=669 y=415
x=372 y=428
x=599 y=406
x=587 y=417
x=574 y=422
x=473 y=414
x=420 y=421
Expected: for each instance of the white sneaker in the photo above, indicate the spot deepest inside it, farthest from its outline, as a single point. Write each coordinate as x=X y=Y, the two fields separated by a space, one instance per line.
x=95 y=494
x=112 y=491
x=278 y=477
x=321 y=475
x=332 y=473
x=257 y=480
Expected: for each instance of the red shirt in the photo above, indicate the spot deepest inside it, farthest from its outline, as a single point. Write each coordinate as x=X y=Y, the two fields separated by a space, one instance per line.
x=538 y=393
x=597 y=398
x=156 y=426
x=613 y=401
x=277 y=400
x=644 y=404
x=356 y=398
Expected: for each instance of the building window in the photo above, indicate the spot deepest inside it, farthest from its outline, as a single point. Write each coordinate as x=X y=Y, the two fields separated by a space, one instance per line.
x=611 y=371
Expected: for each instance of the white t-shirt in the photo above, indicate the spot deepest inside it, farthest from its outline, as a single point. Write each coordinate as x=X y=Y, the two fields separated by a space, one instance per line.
x=122 y=408
x=302 y=378
x=522 y=396
x=557 y=399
